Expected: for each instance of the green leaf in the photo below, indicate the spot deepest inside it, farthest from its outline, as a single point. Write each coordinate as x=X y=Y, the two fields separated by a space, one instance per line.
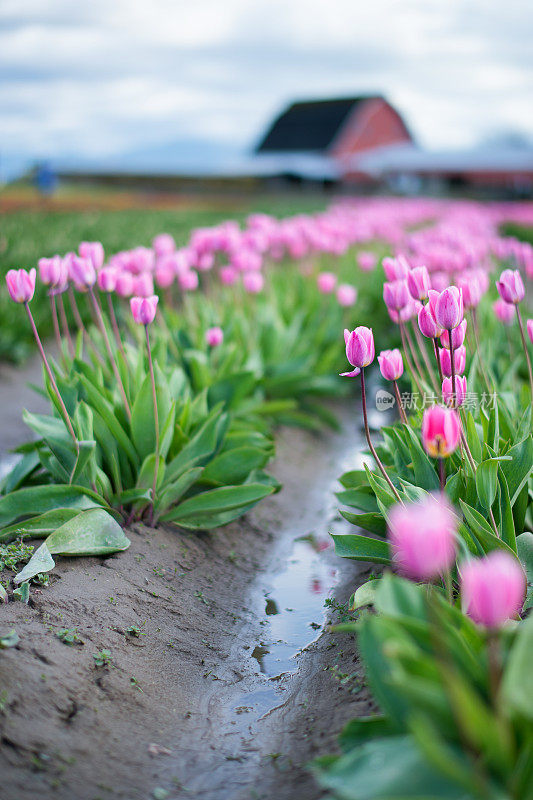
x=40 y=526
x=233 y=466
x=41 y=561
x=362 y=498
x=91 y=533
x=519 y=468
x=362 y=728
x=506 y=524
x=516 y=683
x=390 y=768
x=174 y=491
x=20 y=472
x=482 y=530
x=361 y=548
x=38 y=499
x=472 y=437
x=487 y=482
x=425 y=474
x=365 y=595
x=142 y=415
x=373 y=523
x=216 y=501
x=107 y=413
x=10 y=639
x=200 y=447
x=398 y=597
x=524 y=547
x=22 y=593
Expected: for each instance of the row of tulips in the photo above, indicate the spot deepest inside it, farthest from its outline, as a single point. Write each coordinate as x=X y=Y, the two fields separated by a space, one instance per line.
x=449 y=638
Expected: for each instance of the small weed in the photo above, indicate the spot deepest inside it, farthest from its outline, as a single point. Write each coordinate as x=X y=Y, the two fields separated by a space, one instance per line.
x=135 y=683
x=112 y=600
x=135 y=630
x=103 y=658
x=13 y=553
x=22 y=592
x=69 y=636
x=200 y=595
x=42 y=579
x=3 y=701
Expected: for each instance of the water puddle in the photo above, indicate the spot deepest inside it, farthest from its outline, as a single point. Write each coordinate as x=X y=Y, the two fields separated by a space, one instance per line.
x=294 y=607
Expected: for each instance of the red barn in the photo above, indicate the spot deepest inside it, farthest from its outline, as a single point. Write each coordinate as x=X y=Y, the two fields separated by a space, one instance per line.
x=330 y=133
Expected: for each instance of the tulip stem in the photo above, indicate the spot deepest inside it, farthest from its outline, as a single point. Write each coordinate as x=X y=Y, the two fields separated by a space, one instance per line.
x=114 y=367
x=401 y=409
x=64 y=323
x=52 y=380
x=442 y=474
x=422 y=348
x=437 y=356
x=524 y=345
x=79 y=322
x=369 y=440
x=408 y=358
x=156 y=423
x=478 y=350
x=114 y=325
x=57 y=332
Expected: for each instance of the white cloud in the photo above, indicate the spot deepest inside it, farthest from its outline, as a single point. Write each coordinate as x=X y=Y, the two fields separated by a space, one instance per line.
x=107 y=77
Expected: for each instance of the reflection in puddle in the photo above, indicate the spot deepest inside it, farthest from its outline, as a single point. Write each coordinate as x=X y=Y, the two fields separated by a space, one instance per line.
x=295 y=606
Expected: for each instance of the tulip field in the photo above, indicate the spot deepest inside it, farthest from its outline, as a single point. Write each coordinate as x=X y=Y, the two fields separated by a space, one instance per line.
x=174 y=366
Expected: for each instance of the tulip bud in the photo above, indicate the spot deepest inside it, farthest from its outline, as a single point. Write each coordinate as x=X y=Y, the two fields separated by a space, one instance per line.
x=511 y=286
x=107 y=279
x=459 y=360
x=21 y=284
x=449 y=310
x=395 y=268
x=93 y=252
x=458 y=336
x=228 y=275
x=427 y=324
x=188 y=280
x=253 y=282
x=441 y=431
x=143 y=285
x=391 y=364
x=143 y=309
x=396 y=294
x=124 y=283
x=81 y=272
x=359 y=346
x=164 y=274
x=504 y=311
x=493 y=588
x=346 y=295
x=326 y=282
x=163 y=244
x=51 y=271
x=423 y=537
x=214 y=336
x=367 y=261
x=418 y=283
x=457 y=398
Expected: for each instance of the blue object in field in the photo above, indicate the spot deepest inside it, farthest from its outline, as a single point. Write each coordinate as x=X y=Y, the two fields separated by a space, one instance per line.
x=45 y=178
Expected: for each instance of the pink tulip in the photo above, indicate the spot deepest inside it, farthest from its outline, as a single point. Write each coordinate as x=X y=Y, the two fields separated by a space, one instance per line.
x=423 y=537
x=93 y=252
x=396 y=294
x=471 y=287
x=21 y=284
x=427 y=323
x=504 y=311
x=511 y=286
x=164 y=274
x=326 y=282
x=449 y=309
x=493 y=588
x=228 y=275
x=163 y=244
x=143 y=309
x=456 y=398
x=346 y=295
x=391 y=364
x=530 y=330
x=124 y=284
x=143 y=285
x=458 y=336
x=441 y=431
x=395 y=268
x=253 y=282
x=367 y=261
x=107 y=279
x=188 y=280
x=214 y=336
x=81 y=272
x=360 y=350
x=51 y=271
x=418 y=283
x=459 y=360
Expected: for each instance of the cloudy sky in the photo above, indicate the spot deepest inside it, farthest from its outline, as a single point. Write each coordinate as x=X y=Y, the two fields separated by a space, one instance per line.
x=104 y=77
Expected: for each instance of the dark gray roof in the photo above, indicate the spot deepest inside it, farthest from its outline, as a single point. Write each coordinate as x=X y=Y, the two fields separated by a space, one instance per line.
x=310 y=125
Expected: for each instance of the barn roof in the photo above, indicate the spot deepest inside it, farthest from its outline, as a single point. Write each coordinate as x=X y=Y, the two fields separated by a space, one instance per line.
x=310 y=125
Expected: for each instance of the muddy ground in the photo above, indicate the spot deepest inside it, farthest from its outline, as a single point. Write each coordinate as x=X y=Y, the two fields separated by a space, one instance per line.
x=183 y=709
